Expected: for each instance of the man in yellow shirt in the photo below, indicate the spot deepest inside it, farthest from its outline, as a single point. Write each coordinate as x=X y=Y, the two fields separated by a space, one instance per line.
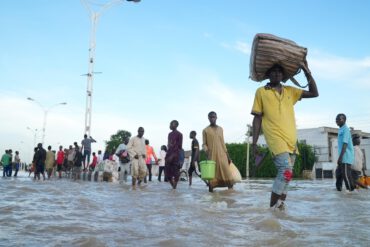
x=273 y=111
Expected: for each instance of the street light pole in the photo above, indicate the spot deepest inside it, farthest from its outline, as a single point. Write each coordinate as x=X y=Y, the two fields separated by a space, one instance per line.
x=94 y=17
x=46 y=111
x=247 y=162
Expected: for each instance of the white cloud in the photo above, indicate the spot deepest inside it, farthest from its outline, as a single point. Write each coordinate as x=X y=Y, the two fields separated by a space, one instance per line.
x=207 y=35
x=239 y=46
x=338 y=69
x=243 y=47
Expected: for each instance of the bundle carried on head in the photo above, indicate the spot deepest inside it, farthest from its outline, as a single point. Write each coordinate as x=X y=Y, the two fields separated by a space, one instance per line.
x=268 y=50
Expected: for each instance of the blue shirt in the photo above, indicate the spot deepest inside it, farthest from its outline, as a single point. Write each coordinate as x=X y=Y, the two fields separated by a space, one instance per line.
x=344 y=136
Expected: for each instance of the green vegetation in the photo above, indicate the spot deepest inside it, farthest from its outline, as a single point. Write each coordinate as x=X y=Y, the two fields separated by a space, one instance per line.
x=238 y=154
x=116 y=139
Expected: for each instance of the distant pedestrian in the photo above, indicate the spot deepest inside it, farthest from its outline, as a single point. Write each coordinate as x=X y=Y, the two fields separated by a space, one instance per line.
x=93 y=163
x=358 y=168
x=77 y=163
x=40 y=162
x=149 y=155
x=194 y=156
x=124 y=160
x=60 y=160
x=49 y=162
x=215 y=148
x=5 y=161
x=345 y=155
x=86 y=148
x=10 y=167
x=70 y=159
x=172 y=166
x=17 y=163
x=137 y=152
x=100 y=156
x=162 y=162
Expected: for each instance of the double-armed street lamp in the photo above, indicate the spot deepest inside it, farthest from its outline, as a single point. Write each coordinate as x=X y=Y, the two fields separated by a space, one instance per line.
x=94 y=16
x=46 y=111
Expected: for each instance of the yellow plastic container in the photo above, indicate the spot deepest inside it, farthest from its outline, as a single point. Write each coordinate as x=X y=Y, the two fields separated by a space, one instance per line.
x=208 y=169
x=365 y=180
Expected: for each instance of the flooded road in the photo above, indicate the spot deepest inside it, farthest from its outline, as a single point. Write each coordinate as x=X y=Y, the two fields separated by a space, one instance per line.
x=67 y=213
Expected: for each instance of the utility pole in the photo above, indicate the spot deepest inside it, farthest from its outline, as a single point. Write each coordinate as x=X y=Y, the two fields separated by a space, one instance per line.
x=247 y=161
x=94 y=17
x=46 y=111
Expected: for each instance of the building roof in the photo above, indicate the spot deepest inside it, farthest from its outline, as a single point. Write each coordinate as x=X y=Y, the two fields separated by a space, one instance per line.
x=331 y=130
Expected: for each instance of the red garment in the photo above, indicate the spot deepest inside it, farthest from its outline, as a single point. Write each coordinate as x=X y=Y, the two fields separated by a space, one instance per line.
x=60 y=157
x=94 y=161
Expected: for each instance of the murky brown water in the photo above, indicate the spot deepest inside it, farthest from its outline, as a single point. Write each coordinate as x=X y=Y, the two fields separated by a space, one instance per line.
x=67 y=213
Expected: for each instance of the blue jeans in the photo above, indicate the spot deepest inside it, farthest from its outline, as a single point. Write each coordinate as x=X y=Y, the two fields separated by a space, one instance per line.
x=5 y=171
x=87 y=154
x=9 y=170
x=17 y=165
x=284 y=163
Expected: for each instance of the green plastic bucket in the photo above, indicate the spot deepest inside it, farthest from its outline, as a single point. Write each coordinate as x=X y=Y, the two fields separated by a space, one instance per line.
x=208 y=169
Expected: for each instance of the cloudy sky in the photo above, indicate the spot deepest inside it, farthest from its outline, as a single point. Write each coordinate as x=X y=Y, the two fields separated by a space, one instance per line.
x=163 y=60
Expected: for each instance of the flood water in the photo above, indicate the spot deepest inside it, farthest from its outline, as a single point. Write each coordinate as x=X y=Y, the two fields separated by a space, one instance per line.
x=67 y=213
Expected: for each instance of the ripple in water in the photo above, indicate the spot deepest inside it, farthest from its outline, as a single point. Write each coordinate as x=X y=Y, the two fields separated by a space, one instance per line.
x=67 y=213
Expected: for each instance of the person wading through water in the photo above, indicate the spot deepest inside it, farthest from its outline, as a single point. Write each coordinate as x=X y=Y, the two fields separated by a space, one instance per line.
x=273 y=110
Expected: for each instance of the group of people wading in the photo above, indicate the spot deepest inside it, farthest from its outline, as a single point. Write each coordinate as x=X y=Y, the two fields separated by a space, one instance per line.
x=273 y=111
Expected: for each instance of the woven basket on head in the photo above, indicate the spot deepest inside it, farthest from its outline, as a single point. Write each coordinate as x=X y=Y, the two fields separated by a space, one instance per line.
x=268 y=50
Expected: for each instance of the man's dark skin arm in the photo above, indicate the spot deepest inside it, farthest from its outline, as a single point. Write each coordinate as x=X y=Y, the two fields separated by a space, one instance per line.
x=312 y=88
x=196 y=154
x=256 y=128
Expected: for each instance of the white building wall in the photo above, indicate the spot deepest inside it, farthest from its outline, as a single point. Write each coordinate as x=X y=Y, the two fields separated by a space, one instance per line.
x=326 y=146
x=334 y=150
x=318 y=138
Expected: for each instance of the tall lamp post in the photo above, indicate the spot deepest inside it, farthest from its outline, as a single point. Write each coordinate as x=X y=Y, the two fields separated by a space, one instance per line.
x=247 y=161
x=94 y=17
x=46 y=111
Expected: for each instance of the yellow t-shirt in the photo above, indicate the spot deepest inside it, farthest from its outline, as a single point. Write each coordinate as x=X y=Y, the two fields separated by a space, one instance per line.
x=278 y=120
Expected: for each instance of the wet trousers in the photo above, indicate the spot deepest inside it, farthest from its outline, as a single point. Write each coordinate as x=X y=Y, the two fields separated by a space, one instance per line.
x=149 y=167
x=284 y=163
x=161 y=169
x=124 y=171
x=344 y=173
x=138 y=168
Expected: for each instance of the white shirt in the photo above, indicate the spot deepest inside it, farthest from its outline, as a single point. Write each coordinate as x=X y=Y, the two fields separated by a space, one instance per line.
x=163 y=156
x=136 y=146
x=100 y=158
x=359 y=159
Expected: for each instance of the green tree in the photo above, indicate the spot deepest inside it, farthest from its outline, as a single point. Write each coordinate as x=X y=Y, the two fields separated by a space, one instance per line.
x=238 y=154
x=307 y=156
x=117 y=139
